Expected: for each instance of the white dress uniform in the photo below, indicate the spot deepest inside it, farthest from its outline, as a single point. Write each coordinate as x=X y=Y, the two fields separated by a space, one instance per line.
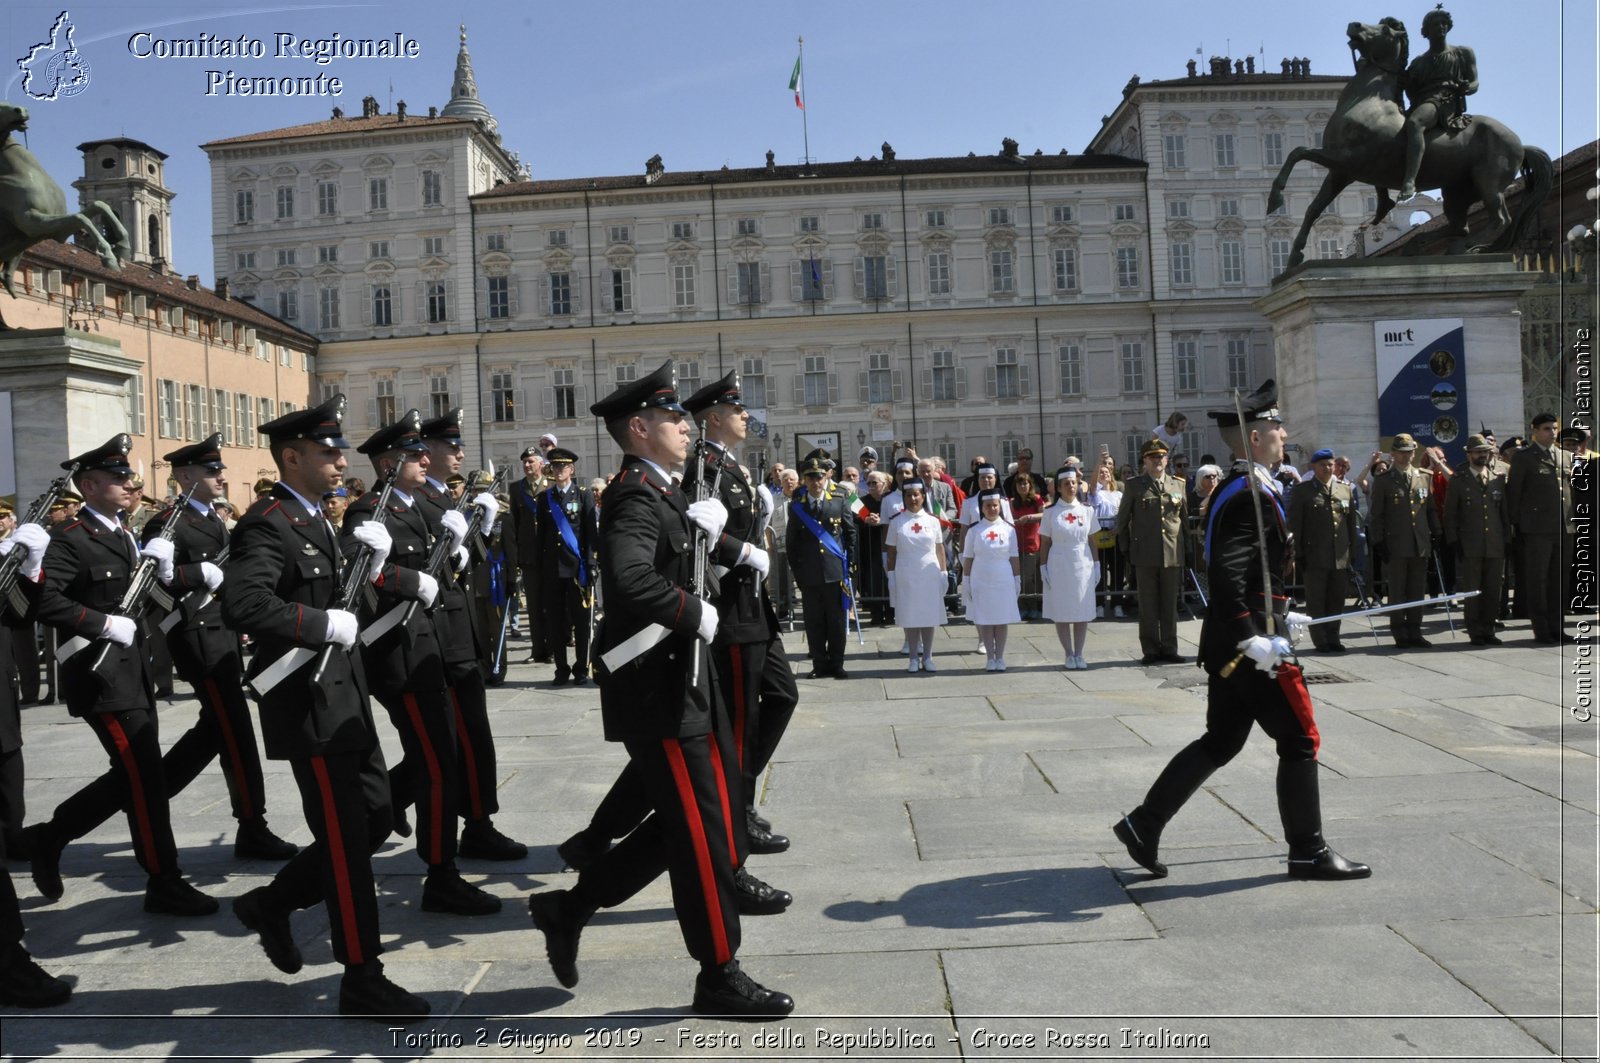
x=1074 y=570
x=919 y=586
x=991 y=544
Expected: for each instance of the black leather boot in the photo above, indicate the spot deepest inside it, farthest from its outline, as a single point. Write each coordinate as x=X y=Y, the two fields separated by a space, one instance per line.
x=1300 y=808
x=261 y=912
x=24 y=984
x=44 y=853
x=482 y=840
x=582 y=849
x=1142 y=837
x=561 y=922
x=171 y=894
x=255 y=841
x=728 y=991
x=754 y=897
x=367 y=993
x=445 y=890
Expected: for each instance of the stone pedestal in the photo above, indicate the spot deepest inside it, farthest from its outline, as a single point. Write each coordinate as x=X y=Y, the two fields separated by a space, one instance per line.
x=68 y=392
x=1323 y=315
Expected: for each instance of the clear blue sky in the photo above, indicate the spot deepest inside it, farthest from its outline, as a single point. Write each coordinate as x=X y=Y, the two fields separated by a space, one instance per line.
x=596 y=89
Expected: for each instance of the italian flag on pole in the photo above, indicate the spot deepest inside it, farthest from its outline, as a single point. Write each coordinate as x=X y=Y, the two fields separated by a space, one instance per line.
x=794 y=84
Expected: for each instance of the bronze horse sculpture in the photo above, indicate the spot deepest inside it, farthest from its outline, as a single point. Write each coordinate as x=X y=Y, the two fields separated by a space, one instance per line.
x=1365 y=141
x=33 y=208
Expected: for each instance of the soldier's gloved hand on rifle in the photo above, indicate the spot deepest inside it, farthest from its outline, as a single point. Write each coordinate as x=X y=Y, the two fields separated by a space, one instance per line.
x=163 y=552
x=212 y=574
x=120 y=629
x=34 y=539
x=456 y=525
x=756 y=558
x=376 y=538
x=427 y=590
x=1299 y=625
x=1267 y=653
x=708 y=622
x=709 y=515
x=491 y=508
x=342 y=626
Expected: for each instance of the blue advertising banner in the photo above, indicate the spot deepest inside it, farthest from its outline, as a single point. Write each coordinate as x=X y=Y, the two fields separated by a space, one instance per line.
x=1422 y=383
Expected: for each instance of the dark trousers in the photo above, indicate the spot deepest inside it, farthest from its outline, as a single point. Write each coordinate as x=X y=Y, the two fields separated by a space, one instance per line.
x=11 y=814
x=539 y=645
x=474 y=744
x=565 y=615
x=1482 y=574
x=136 y=784
x=346 y=802
x=1325 y=593
x=420 y=708
x=1543 y=557
x=1408 y=581
x=761 y=697
x=689 y=834
x=825 y=627
x=25 y=641
x=224 y=729
x=1158 y=609
x=1249 y=696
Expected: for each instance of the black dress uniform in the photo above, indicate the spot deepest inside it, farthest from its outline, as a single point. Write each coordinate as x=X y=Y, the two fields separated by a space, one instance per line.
x=818 y=572
x=405 y=669
x=566 y=569
x=523 y=533
x=666 y=721
x=22 y=981
x=756 y=680
x=88 y=568
x=284 y=571
x=463 y=641
x=1238 y=692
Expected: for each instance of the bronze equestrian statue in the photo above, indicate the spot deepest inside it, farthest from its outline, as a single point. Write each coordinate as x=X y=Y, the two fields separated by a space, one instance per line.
x=33 y=208
x=1372 y=139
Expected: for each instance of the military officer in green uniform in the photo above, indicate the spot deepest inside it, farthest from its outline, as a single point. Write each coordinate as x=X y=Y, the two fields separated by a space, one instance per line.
x=1322 y=519
x=1477 y=526
x=1539 y=496
x=1401 y=529
x=1149 y=528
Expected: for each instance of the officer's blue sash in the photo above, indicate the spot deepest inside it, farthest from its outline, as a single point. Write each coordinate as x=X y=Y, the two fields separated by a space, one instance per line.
x=1226 y=494
x=829 y=543
x=569 y=538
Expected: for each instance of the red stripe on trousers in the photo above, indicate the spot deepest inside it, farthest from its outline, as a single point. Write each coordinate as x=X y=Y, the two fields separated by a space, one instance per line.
x=736 y=653
x=141 y=811
x=230 y=742
x=336 y=856
x=702 y=848
x=469 y=758
x=722 y=794
x=435 y=780
x=1293 y=682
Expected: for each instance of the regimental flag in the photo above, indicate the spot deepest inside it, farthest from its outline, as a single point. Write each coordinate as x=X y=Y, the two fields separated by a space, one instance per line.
x=794 y=84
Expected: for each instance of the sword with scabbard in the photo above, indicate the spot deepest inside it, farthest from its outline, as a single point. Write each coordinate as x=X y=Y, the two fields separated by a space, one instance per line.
x=1261 y=535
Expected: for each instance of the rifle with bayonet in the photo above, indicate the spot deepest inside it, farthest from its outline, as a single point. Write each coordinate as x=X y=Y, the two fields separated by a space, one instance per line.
x=11 y=564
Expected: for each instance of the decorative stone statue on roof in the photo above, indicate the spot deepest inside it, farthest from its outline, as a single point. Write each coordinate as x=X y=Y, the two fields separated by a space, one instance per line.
x=1370 y=139
x=33 y=208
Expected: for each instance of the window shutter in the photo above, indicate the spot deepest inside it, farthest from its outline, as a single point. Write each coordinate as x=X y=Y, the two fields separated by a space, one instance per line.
x=577 y=292
x=927 y=385
x=988 y=381
x=549 y=404
x=797 y=279
x=961 y=382
x=544 y=295
x=897 y=386
x=733 y=284
x=766 y=284
x=799 y=391
x=1025 y=378
x=513 y=300
x=580 y=401
x=372 y=410
x=833 y=389
x=862 y=388
x=891 y=273
x=826 y=266
x=861 y=277
x=520 y=411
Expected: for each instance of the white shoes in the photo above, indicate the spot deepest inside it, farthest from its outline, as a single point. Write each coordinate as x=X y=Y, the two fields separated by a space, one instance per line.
x=988 y=665
x=927 y=663
x=1100 y=612
x=1079 y=664
x=999 y=664
x=913 y=665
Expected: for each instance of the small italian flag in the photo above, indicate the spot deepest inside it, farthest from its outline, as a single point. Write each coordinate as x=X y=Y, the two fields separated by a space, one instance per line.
x=857 y=506
x=794 y=84
x=938 y=514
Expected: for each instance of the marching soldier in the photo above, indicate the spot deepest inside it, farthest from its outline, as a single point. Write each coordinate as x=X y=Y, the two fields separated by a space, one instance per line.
x=524 y=537
x=1323 y=521
x=1401 y=530
x=1477 y=526
x=821 y=543
x=1246 y=657
x=206 y=655
x=657 y=698
x=752 y=668
x=23 y=983
x=462 y=639
x=88 y=568
x=1539 y=496
x=405 y=666
x=1150 y=526
x=282 y=590
x=564 y=556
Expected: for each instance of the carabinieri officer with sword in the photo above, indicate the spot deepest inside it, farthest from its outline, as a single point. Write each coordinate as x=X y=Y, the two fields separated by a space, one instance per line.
x=1247 y=658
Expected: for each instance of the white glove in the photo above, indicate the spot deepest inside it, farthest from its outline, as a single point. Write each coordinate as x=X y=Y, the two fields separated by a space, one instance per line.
x=34 y=539
x=342 y=626
x=1016 y=584
x=211 y=574
x=1267 y=653
x=162 y=551
x=491 y=509
x=966 y=590
x=427 y=590
x=461 y=558
x=764 y=493
x=376 y=537
x=1299 y=624
x=757 y=559
x=710 y=515
x=708 y=622
x=121 y=629
x=456 y=525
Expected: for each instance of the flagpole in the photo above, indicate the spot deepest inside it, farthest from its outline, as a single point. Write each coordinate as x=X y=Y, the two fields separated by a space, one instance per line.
x=805 y=124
